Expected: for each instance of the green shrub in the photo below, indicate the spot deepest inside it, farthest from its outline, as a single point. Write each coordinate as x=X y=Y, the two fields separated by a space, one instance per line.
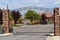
x=0 y=26
x=50 y=22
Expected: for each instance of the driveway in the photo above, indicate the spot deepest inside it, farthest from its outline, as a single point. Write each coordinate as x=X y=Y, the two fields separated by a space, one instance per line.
x=34 y=30
x=30 y=32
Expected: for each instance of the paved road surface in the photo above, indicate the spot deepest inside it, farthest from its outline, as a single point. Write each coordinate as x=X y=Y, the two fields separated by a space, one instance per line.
x=30 y=32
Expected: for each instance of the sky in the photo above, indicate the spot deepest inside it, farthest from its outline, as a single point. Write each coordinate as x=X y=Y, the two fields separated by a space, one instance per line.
x=15 y=4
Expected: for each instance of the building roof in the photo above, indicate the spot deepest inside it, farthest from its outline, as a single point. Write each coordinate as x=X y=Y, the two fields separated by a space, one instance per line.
x=48 y=14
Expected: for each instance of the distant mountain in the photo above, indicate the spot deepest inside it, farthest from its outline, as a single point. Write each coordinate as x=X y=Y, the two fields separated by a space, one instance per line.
x=37 y=9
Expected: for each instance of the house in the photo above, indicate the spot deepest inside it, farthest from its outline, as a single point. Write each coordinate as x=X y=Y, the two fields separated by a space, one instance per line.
x=49 y=16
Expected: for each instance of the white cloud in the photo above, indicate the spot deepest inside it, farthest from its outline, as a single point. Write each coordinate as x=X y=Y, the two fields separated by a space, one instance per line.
x=6 y=1
x=57 y=2
x=22 y=3
x=14 y=4
x=32 y=1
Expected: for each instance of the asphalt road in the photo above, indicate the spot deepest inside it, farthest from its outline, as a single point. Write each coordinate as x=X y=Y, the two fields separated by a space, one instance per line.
x=30 y=32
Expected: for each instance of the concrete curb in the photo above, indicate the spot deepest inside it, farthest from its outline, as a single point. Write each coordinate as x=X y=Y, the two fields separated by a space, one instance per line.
x=6 y=34
x=53 y=38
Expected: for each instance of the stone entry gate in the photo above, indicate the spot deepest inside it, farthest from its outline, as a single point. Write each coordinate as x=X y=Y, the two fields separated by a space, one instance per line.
x=56 y=21
x=6 y=20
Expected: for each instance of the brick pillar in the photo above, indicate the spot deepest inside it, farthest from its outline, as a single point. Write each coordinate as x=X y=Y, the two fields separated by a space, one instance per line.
x=57 y=22
x=6 y=20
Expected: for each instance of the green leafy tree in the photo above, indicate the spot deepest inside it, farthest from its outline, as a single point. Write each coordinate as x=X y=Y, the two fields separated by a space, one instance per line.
x=32 y=15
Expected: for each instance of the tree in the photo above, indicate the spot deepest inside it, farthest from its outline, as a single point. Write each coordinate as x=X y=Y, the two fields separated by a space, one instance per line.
x=43 y=19
x=32 y=15
x=16 y=15
x=43 y=16
x=0 y=16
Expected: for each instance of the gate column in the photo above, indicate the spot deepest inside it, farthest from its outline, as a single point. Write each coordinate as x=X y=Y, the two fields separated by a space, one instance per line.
x=5 y=20
x=56 y=22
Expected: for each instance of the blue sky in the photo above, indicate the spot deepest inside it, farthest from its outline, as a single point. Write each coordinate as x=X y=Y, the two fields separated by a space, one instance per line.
x=14 y=4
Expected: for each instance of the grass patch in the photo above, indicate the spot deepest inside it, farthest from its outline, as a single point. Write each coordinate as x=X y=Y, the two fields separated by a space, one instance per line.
x=50 y=22
x=0 y=27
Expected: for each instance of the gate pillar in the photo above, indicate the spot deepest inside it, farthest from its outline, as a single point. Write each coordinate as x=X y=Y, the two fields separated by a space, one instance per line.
x=5 y=20
x=56 y=22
